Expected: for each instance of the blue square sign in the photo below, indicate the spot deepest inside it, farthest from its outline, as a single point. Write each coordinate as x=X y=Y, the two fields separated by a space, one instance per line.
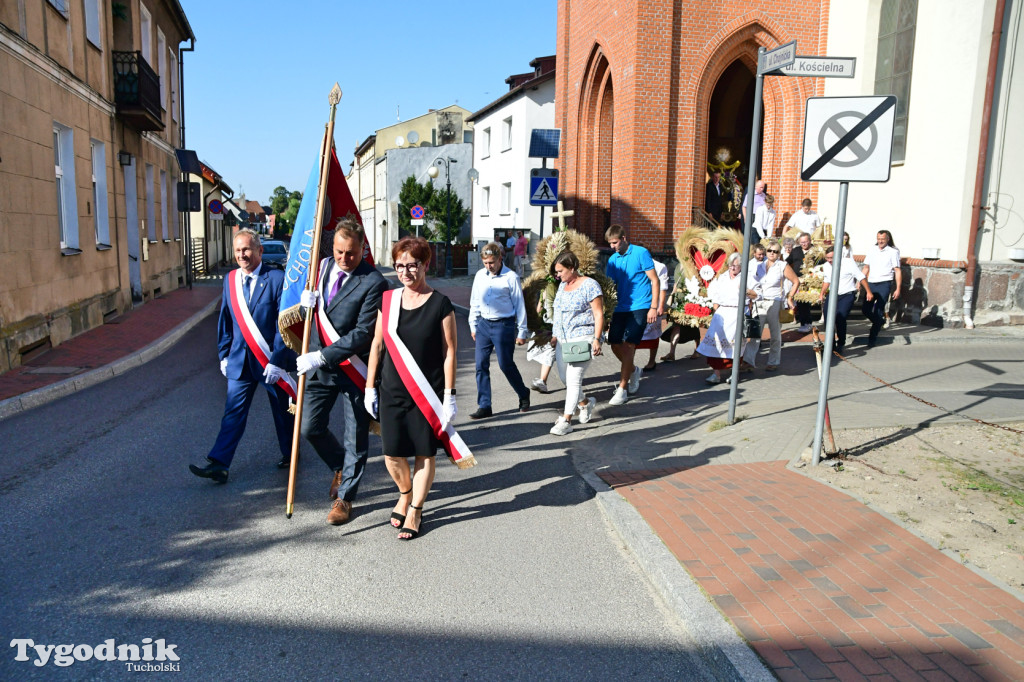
x=543 y=191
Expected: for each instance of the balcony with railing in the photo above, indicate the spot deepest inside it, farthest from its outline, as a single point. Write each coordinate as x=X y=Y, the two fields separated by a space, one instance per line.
x=137 y=92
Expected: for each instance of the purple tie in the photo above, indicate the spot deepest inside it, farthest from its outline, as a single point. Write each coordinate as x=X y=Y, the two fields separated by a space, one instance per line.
x=337 y=285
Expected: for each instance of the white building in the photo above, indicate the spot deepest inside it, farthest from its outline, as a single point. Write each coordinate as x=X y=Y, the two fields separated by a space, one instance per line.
x=935 y=58
x=501 y=145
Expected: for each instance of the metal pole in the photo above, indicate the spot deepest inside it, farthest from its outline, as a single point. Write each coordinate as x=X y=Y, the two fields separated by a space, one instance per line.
x=755 y=143
x=447 y=222
x=543 y=164
x=830 y=321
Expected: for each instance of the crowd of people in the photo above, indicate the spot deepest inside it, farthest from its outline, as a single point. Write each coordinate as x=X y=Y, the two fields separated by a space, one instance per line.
x=390 y=355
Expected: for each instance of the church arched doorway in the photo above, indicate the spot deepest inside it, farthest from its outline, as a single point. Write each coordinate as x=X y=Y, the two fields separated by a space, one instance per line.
x=729 y=117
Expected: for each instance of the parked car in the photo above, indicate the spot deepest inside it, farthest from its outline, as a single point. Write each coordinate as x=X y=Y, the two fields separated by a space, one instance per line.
x=275 y=254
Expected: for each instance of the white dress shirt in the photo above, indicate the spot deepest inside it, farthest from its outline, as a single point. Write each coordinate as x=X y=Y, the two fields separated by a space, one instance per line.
x=495 y=297
x=882 y=264
x=764 y=220
x=250 y=284
x=805 y=222
x=332 y=278
x=849 y=275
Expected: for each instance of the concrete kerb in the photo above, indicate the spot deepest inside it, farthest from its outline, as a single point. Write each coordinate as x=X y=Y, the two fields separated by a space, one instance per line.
x=47 y=394
x=727 y=653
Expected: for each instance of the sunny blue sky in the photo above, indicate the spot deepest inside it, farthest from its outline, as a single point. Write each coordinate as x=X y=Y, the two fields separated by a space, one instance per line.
x=256 y=86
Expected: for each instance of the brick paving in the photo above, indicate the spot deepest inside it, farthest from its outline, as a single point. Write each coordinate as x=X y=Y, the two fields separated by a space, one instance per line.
x=107 y=343
x=821 y=586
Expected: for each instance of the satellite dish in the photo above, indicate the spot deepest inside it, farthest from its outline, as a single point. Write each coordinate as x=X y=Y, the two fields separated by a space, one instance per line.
x=399 y=141
x=414 y=137
x=473 y=174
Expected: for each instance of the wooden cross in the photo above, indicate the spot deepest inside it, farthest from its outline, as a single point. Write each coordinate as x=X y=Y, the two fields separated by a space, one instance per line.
x=561 y=214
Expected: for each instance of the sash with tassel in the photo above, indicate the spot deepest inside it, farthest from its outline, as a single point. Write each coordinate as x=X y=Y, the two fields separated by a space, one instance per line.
x=251 y=333
x=416 y=383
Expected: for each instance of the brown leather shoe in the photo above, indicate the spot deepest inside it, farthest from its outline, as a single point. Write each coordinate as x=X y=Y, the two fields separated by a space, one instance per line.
x=340 y=512
x=335 y=482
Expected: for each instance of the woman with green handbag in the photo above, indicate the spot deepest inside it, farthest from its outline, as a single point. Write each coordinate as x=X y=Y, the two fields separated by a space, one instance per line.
x=577 y=327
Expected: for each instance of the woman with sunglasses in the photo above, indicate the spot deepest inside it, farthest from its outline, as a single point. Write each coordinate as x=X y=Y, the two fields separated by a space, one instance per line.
x=771 y=276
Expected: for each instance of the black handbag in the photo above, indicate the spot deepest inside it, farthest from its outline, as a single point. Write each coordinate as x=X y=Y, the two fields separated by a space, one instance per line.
x=751 y=327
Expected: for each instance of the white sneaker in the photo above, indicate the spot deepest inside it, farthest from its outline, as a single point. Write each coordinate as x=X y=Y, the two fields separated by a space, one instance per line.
x=561 y=427
x=619 y=397
x=804 y=328
x=539 y=385
x=586 y=413
x=634 y=380
x=713 y=379
x=885 y=325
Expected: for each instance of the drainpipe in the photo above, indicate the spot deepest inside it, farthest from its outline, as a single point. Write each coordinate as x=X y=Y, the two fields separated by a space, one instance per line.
x=181 y=134
x=979 y=178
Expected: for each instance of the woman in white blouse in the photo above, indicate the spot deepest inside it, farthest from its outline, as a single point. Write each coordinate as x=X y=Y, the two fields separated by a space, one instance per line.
x=771 y=276
x=717 y=345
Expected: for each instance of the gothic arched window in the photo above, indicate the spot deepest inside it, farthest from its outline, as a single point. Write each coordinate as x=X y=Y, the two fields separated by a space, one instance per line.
x=895 y=63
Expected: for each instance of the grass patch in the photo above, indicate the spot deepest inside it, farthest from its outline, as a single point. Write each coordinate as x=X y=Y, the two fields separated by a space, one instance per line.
x=969 y=478
x=719 y=424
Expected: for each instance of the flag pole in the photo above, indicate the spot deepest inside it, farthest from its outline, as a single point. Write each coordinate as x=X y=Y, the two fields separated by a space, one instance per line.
x=311 y=282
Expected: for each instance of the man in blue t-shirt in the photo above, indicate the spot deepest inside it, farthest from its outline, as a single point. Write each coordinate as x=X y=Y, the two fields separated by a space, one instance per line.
x=632 y=269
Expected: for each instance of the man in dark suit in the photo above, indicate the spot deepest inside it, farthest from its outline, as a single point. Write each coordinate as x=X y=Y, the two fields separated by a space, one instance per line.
x=349 y=291
x=246 y=366
x=713 y=196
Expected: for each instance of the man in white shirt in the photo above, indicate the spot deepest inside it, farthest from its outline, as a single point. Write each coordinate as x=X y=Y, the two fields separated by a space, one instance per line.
x=497 y=320
x=805 y=220
x=882 y=265
x=850 y=278
x=510 y=247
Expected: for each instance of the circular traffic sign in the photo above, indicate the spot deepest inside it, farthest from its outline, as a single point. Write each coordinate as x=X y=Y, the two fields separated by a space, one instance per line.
x=216 y=206
x=839 y=125
x=417 y=212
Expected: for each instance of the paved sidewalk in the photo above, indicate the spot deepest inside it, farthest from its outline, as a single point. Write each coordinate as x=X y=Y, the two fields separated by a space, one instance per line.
x=100 y=353
x=822 y=586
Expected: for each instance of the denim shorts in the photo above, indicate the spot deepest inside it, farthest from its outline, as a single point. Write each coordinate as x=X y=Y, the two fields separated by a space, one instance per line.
x=628 y=327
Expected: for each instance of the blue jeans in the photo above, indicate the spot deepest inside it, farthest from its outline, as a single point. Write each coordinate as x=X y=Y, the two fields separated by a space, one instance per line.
x=843 y=307
x=874 y=309
x=499 y=336
x=350 y=458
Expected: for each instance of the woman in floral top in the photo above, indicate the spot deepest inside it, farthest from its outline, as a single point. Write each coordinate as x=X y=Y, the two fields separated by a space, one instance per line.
x=579 y=316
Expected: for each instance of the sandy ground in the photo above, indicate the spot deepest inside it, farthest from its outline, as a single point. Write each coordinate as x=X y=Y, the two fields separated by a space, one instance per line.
x=960 y=486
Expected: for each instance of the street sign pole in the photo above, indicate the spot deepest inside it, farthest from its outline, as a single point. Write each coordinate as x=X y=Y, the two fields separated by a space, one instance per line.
x=830 y=322
x=755 y=143
x=544 y=164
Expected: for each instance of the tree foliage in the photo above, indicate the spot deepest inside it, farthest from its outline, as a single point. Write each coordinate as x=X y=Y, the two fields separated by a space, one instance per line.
x=436 y=209
x=434 y=201
x=285 y=205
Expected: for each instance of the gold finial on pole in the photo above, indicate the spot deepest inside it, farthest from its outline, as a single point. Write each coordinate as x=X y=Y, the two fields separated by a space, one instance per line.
x=335 y=96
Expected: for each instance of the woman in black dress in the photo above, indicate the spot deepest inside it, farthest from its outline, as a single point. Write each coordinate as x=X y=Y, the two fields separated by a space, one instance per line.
x=426 y=324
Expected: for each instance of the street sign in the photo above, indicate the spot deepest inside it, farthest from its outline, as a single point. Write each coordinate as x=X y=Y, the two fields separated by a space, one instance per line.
x=216 y=216
x=848 y=139
x=417 y=221
x=820 y=67
x=543 y=187
x=216 y=207
x=783 y=55
x=189 y=197
x=416 y=212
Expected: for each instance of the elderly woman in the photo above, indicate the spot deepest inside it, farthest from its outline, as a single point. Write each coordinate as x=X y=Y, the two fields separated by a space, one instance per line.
x=717 y=345
x=771 y=276
x=426 y=326
x=579 y=319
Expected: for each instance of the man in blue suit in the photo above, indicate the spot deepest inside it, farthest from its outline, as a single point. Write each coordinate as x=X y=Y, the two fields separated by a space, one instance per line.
x=349 y=292
x=251 y=353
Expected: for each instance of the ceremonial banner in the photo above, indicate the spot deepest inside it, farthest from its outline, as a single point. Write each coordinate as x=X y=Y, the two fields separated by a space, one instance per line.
x=416 y=383
x=338 y=203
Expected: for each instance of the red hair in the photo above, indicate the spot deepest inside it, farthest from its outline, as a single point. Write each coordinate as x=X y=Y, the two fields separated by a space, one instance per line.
x=417 y=247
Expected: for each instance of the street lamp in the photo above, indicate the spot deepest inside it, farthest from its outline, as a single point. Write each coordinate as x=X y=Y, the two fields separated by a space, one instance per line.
x=434 y=172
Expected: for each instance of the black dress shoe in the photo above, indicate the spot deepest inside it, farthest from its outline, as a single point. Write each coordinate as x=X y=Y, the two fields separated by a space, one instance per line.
x=481 y=413
x=524 y=403
x=284 y=462
x=218 y=473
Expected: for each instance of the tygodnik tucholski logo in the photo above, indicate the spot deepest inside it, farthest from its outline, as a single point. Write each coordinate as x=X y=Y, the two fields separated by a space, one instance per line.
x=153 y=656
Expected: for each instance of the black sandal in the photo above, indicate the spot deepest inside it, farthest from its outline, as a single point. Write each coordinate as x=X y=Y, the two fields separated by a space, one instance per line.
x=395 y=516
x=409 y=531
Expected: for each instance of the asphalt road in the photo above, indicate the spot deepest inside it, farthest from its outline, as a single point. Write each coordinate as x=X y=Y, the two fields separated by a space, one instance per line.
x=517 y=575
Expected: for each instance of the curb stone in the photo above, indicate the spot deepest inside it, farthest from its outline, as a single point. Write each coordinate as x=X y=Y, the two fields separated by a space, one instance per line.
x=727 y=654
x=47 y=394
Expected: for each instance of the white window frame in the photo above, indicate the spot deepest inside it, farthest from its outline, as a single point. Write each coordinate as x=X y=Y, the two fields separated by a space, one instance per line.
x=506 y=198
x=506 y=134
x=163 y=205
x=64 y=173
x=101 y=212
x=485 y=201
x=150 y=205
x=161 y=56
x=146 y=34
x=174 y=84
x=172 y=208
x=94 y=23
x=486 y=144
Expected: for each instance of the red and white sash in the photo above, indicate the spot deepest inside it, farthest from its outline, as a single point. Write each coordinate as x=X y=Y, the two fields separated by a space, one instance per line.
x=416 y=383
x=251 y=333
x=353 y=367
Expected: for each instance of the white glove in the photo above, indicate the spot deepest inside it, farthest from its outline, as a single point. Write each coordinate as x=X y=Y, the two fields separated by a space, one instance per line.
x=310 y=361
x=273 y=373
x=448 y=410
x=308 y=298
x=224 y=367
x=371 y=401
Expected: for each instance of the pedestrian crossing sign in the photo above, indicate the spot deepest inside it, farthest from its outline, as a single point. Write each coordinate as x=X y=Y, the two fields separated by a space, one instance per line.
x=543 y=191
